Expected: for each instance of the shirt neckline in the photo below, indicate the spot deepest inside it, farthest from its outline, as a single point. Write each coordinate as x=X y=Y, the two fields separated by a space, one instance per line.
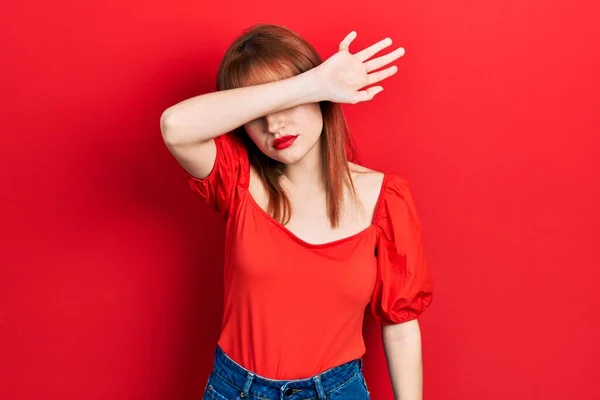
x=303 y=242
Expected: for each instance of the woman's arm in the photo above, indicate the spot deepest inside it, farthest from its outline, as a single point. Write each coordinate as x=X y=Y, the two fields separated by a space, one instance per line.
x=189 y=127
x=402 y=345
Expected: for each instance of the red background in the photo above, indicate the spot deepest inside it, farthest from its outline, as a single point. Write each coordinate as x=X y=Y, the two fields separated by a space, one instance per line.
x=110 y=284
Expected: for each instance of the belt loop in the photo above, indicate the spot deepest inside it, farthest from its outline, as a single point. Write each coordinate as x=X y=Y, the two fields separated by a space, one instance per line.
x=319 y=386
x=249 y=378
x=360 y=363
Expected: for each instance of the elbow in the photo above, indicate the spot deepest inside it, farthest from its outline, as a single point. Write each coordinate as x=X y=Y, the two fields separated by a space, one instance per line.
x=166 y=123
x=176 y=131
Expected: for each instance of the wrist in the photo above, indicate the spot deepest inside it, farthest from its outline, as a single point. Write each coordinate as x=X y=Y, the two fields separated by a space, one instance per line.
x=311 y=86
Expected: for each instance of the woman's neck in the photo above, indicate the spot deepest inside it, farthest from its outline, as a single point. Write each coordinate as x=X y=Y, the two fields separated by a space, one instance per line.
x=307 y=173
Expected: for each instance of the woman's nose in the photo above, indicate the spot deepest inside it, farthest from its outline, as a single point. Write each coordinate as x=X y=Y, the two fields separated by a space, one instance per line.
x=274 y=123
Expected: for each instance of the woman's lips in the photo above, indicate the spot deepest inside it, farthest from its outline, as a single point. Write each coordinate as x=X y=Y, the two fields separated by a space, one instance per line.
x=284 y=142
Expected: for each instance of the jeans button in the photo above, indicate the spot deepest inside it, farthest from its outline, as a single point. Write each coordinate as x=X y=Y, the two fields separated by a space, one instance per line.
x=288 y=392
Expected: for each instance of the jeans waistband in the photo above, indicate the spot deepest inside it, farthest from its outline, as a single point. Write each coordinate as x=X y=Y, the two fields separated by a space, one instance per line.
x=251 y=384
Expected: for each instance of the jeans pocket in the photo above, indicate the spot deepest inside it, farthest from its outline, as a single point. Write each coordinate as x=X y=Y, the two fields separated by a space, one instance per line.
x=352 y=389
x=211 y=393
x=364 y=383
x=219 y=389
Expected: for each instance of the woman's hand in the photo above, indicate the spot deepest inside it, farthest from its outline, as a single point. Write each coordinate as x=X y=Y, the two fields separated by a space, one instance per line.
x=342 y=76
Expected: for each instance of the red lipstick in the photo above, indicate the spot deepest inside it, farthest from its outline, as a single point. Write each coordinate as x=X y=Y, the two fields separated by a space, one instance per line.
x=284 y=142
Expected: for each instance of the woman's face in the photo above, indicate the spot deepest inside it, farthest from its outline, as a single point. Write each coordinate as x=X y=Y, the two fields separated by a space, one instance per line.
x=288 y=135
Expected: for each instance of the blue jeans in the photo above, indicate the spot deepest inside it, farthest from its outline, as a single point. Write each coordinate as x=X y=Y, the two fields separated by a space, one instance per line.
x=230 y=381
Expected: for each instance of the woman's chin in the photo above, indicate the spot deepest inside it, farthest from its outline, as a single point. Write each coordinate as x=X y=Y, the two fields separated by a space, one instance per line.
x=288 y=156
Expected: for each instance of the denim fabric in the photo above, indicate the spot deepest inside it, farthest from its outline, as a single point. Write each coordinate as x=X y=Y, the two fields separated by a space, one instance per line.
x=230 y=381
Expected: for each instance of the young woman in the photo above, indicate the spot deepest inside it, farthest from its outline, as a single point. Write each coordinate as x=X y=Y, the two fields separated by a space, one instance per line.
x=312 y=238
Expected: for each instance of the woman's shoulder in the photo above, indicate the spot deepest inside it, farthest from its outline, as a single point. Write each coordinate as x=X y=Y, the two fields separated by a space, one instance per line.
x=369 y=186
x=377 y=190
x=374 y=183
x=366 y=181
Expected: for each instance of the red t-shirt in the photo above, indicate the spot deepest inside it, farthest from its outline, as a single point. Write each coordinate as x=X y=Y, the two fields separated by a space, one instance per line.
x=293 y=309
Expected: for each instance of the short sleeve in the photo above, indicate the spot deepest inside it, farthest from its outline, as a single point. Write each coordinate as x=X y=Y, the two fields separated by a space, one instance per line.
x=403 y=287
x=230 y=170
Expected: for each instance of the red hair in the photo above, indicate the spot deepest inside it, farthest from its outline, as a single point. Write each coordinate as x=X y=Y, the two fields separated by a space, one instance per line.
x=266 y=53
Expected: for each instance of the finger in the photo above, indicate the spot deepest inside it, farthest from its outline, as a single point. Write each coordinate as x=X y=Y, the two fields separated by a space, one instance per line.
x=379 y=62
x=381 y=75
x=345 y=44
x=370 y=51
x=368 y=94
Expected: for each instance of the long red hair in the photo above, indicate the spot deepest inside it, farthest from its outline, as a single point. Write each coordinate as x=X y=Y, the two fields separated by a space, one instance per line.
x=265 y=53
